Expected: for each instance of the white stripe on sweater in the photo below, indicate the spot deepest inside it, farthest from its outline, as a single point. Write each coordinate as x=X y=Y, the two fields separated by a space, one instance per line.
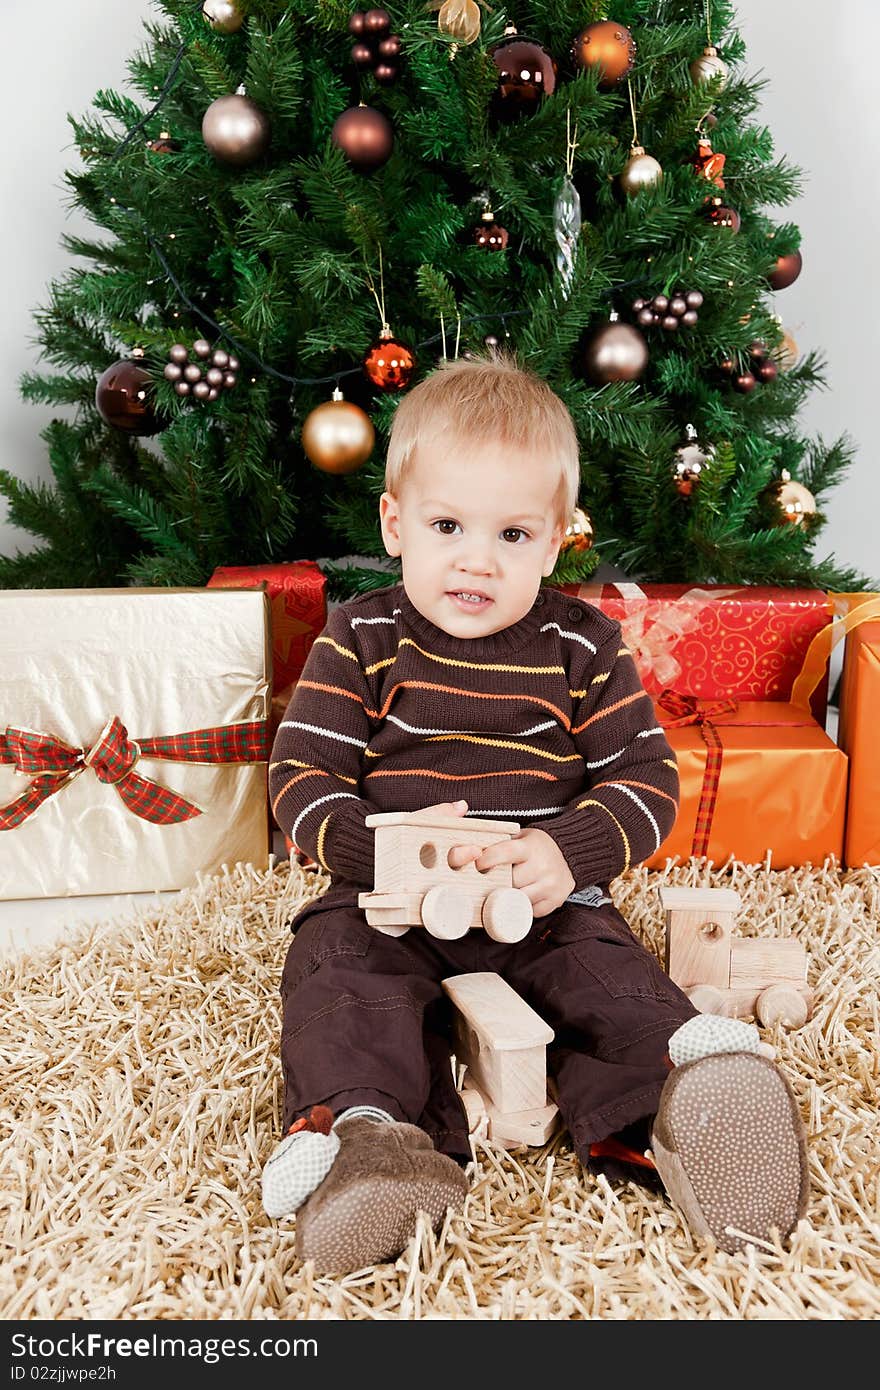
x=332 y=796
x=603 y=762
x=575 y=636
x=497 y=733
x=317 y=729
x=618 y=786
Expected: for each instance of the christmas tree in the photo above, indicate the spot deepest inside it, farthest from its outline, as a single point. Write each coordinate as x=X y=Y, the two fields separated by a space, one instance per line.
x=306 y=206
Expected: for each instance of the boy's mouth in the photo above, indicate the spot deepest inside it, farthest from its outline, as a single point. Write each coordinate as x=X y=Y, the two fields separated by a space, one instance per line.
x=469 y=600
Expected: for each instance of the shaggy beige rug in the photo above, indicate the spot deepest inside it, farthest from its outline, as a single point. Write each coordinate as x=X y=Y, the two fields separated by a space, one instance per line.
x=141 y=1096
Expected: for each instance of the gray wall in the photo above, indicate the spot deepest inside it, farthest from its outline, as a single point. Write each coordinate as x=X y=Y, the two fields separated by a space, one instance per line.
x=819 y=105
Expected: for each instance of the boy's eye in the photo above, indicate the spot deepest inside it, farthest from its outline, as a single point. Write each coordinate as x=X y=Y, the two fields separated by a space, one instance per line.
x=446 y=526
x=514 y=534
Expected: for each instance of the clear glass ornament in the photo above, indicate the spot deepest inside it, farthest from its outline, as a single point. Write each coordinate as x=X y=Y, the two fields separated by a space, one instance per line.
x=566 y=228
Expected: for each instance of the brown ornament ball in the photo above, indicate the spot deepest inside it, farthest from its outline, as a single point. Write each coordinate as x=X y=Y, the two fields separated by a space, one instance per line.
x=526 y=74
x=235 y=130
x=163 y=144
x=744 y=383
x=338 y=436
x=785 y=271
x=389 y=363
x=365 y=135
x=385 y=73
x=356 y=22
x=720 y=215
x=390 y=47
x=488 y=236
x=202 y=348
x=377 y=21
x=608 y=46
x=122 y=398
x=617 y=352
x=766 y=371
x=361 y=54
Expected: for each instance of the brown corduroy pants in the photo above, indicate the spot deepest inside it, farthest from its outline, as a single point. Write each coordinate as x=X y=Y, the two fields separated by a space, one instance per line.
x=366 y=1021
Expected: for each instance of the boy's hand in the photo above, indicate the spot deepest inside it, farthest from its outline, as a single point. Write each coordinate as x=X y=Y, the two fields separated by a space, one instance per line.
x=539 y=866
x=446 y=808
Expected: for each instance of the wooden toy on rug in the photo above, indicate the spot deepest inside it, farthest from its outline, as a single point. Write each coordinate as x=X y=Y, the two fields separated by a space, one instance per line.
x=414 y=884
x=503 y=1043
x=726 y=974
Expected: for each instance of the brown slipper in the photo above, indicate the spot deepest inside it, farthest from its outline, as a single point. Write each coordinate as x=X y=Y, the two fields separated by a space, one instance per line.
x=366 y=1209
x=729 y=1144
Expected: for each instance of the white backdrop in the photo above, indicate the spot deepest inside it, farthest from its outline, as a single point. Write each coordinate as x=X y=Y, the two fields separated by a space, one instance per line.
x=818 y=104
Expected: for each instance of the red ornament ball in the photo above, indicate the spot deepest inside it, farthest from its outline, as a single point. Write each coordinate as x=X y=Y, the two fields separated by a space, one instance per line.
x=786 y=271
x=390 y=363
x=365 y=135
x=608 y=46
x=488 y=236
x=122 y=398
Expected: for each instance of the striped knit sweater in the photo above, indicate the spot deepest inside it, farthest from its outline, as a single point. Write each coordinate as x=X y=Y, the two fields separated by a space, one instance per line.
x=545 y=723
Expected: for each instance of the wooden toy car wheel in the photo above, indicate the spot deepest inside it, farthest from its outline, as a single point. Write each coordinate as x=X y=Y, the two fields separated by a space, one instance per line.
x=507 y=914
x=782 y=1004
x=707 y=999
x=446 y=912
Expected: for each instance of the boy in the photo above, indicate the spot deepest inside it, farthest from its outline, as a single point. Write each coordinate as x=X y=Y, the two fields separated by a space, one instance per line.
x=471 y=689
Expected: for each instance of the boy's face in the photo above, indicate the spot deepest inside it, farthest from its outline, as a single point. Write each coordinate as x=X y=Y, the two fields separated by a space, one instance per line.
x=483 y=525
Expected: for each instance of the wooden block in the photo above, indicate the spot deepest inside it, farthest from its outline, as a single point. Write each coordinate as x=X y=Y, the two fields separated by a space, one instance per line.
x=707 y=901
x=758 y=962
x=532 y=1127
x=698 y=950
x=474 y=1105
x=501 y=1039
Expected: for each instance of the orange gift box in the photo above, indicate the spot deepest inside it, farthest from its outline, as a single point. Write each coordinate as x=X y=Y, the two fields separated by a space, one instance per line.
x=857 y=735
x=782 y=788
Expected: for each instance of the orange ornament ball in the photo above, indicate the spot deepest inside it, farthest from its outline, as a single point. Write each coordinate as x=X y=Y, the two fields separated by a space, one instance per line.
x=608 y=46
x=390 y=363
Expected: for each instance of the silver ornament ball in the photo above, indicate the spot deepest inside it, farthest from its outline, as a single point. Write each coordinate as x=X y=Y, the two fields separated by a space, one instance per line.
x=640 y=171
x=224 y=16
x=235 y=130
x=708 y=66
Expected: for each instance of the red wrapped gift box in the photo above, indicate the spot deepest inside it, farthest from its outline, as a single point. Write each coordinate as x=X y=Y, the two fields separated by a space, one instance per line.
x=298 y=601
x=714 y=641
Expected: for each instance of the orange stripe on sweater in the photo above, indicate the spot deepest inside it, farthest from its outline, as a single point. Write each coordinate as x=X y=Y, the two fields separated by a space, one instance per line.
x=471 y=694
x=611 y=709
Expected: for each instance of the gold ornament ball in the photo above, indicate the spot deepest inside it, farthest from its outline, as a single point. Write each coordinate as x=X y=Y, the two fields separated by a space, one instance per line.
x=795 y=503
x=787 y=353
x=460 y=19
x=707 y=67
x=617 y=352
x=235 y=130
x=579 y=533
x=608 y=46
x=640 y=171
x=690 y=461
x=338 y=436
x=224 y=16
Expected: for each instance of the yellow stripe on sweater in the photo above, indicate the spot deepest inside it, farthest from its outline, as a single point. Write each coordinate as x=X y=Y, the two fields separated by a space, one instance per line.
x=604 y=808
x=482 y=665
x=319 y=848
x=491 y=743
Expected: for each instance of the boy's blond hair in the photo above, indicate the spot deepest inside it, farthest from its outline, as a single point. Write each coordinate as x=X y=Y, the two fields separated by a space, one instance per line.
x=480 y=398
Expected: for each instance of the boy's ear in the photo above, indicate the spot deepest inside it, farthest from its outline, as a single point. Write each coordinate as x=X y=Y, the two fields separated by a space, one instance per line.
x=553 y=550
x=389 y=520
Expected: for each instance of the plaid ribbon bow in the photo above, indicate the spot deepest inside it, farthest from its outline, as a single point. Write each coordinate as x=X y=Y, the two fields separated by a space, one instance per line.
x=685 y=709
x=53 y=765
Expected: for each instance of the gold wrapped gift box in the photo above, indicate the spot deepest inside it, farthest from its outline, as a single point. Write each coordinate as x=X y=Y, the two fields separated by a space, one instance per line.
x=133 y=742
